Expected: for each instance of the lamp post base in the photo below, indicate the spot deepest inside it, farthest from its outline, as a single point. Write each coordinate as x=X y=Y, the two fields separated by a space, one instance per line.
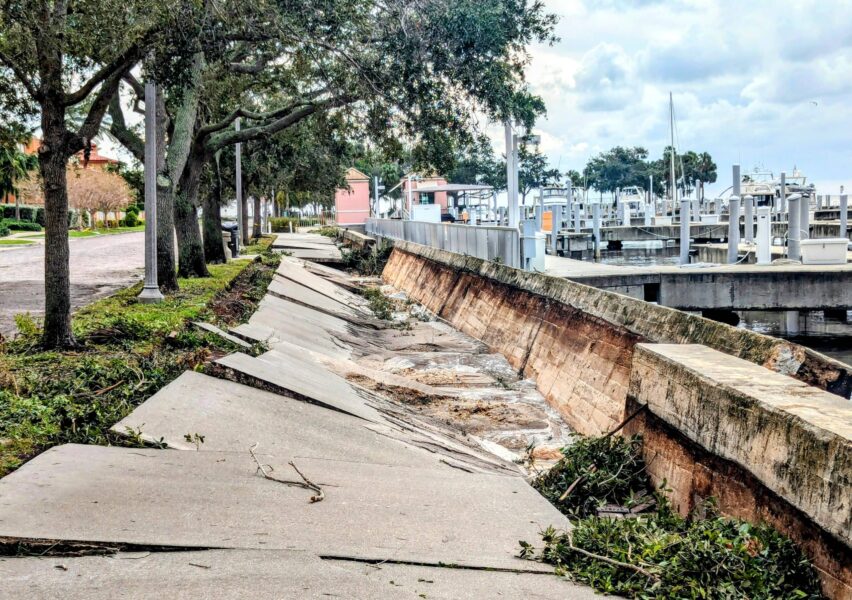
x=150 y=295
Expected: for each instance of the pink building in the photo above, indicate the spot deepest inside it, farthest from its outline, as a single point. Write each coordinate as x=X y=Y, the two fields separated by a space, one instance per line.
x=427 y=182
x=352 y=203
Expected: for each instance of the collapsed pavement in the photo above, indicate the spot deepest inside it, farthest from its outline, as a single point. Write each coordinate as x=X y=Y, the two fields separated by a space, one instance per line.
x=356 y=407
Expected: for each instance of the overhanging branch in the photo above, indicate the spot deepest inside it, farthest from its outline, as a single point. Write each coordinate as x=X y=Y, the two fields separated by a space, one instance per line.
x=132 y=142
x=117 y=66
x=19 y=73
x=258 y=116
x=265 y=130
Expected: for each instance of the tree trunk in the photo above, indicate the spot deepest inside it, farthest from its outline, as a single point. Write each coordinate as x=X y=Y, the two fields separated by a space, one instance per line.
x=256 y=221
x=214 y=250
x=166 y=275
x=190 y=246
x=57 y=281
x=17 y=209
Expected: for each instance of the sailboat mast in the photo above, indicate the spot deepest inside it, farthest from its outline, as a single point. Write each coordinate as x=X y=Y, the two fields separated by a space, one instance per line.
x=672 y=153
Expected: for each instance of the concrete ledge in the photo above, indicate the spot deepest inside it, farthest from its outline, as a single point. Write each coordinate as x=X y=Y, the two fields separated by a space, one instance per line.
x=649 y=322
x=795 y=439
x=357 y=239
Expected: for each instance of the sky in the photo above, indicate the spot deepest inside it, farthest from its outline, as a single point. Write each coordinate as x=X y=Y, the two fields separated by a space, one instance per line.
x=763 y=83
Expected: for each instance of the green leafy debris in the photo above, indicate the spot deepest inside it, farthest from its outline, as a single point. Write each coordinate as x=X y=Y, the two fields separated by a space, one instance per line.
x=130 y=350
x=657 y=554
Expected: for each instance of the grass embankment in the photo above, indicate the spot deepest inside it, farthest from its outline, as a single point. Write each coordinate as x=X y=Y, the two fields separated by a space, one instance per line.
x=76 y=233
x=627 y=540
x=129 y=351
x=15 y=242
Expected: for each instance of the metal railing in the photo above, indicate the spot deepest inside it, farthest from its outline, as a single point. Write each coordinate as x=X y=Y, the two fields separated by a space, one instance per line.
x=486 y=242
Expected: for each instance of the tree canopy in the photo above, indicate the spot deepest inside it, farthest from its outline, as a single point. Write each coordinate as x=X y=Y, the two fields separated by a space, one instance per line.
x=407 y=73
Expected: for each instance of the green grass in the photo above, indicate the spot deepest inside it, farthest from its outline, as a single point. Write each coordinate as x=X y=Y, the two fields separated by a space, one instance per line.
x=259 y=246
x=129 y=351
x=77 y=233
x=15 y=242
x=32 y=236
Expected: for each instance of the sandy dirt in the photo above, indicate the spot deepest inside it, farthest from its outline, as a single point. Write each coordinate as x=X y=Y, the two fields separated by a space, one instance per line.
x=99 y=266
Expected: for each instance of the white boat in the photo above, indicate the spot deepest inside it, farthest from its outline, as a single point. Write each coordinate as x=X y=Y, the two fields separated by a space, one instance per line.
x=765 y=187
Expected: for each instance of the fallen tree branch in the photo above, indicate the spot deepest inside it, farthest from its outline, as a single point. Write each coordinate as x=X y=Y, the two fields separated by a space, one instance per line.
x=594 y=467
x=265 y=471
x=612 y=561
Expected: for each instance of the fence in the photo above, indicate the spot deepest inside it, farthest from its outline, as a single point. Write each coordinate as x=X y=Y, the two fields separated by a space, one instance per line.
x=488 y=243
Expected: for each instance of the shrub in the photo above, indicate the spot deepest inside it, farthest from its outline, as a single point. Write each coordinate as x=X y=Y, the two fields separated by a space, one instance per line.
x=4 y=229
x=282 y=224
x=131 y=219
x=381 y=306
x=34 y=214
x=23 y=225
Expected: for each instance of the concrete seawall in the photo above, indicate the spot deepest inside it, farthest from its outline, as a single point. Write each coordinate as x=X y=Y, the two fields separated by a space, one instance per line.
x=718 y=423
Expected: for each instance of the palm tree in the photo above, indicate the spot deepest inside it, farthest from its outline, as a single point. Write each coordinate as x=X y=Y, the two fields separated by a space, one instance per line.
x=14 y=167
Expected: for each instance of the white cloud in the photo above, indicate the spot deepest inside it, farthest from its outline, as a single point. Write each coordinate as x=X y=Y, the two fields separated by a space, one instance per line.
x=744 y=78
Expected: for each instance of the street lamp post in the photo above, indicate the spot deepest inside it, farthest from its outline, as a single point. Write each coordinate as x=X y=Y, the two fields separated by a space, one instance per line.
x=239 y=181
x=150 y=293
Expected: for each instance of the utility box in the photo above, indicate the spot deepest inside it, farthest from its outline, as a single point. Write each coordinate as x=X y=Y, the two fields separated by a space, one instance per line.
x=827 y=251
x=533 y=245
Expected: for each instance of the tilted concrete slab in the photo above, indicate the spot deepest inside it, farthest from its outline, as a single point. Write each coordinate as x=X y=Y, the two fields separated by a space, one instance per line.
x=278 y=320
x=312 y=299
x=302 y=378
x=794 y=438
x=220 y=574
x=284 y=239
x=233 y=417
x=217 y=500
x=210 y=328
x=470 y=584
x=331 y=255
x=294 y=271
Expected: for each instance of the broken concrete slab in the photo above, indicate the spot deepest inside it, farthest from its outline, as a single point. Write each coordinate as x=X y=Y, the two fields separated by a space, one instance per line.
x=233 y=417
x=304 y=379
x=294 y=292
x=294 y=271
x=284 y=239
x=278 y=321
x=469 y=584
x=221 y=574
x=210 y=328
x=217 y=500
x=332 y=255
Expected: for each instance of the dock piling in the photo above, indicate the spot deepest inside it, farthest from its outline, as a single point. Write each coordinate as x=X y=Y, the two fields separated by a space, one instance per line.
x=764 y=236
x=733 y=228
x=793 y=230
x=748 y=207
x=684 y=231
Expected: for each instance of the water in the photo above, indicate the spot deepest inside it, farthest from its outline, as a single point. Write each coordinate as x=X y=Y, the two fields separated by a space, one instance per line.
x=642 y=254
x=830 y=335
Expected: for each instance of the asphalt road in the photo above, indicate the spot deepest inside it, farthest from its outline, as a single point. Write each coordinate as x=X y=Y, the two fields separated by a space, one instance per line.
x=99 y=266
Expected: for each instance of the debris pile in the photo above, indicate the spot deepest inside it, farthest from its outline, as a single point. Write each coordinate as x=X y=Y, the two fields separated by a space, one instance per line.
x=626 y=539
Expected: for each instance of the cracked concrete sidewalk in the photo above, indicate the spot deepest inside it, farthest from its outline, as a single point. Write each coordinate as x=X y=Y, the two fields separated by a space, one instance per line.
x=411 y=488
